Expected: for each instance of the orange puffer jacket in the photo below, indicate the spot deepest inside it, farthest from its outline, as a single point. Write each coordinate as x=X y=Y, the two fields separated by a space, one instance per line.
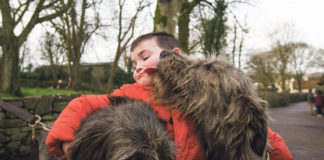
x=180 y=130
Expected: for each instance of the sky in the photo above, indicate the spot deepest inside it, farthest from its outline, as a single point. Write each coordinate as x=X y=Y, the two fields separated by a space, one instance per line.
x=264 y=16
x=261 y=16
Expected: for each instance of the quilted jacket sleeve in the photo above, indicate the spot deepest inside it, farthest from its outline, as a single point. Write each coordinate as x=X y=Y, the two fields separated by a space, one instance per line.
x=71 y=117
x=280 y=149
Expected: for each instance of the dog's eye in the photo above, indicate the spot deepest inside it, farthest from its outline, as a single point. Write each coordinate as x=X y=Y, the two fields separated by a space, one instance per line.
x=210 y=67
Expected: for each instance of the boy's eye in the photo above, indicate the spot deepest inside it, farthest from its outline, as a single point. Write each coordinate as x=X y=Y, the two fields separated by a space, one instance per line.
x=145 y=58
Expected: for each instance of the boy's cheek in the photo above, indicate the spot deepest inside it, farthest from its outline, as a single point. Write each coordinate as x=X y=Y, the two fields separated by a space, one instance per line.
x=135 y=76
x=152 y=63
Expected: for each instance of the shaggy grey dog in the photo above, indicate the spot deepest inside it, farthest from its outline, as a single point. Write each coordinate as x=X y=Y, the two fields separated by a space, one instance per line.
x=127 y=130
x=230 y=119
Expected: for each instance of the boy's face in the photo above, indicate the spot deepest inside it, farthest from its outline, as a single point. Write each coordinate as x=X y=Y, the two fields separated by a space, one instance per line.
x=145 y=55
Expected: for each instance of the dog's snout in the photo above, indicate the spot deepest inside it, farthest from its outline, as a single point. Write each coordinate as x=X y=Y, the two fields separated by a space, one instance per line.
x=164 y=53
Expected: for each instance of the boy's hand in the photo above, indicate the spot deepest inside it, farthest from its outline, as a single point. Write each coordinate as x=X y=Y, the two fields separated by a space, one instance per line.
x=66 y=145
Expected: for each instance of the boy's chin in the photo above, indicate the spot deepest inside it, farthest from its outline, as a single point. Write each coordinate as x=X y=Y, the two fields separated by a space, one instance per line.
x=145 y=80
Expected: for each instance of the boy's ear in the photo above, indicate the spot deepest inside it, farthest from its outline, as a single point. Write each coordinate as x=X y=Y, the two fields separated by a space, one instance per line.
x=178 y=50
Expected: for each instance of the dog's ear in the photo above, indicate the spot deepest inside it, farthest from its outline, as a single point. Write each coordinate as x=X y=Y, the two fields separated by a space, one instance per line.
x=259 y=141
x=253 y=111
x=260 y=137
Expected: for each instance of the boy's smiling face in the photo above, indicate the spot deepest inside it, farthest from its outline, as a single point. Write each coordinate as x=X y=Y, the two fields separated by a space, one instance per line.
x=145 y=55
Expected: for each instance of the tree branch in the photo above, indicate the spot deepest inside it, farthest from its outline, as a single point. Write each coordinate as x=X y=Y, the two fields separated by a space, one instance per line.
x=51 y=4
x=22 y=13
x=238 y=22
x=56 y=14
x=35 y=19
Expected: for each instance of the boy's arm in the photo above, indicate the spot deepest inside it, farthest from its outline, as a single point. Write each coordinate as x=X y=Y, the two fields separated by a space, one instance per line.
x=280 y=149
x=70 y=119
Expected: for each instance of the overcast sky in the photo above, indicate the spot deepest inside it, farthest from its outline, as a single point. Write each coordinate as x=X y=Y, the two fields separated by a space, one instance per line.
x=266 y=15
x=262 y=17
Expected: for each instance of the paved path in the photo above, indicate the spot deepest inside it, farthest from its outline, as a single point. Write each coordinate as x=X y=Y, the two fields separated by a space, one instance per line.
x=303 y=134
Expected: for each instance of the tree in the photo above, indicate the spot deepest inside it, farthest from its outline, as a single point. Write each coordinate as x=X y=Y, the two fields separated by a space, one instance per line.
x=281 y=54
x=52 y=52
x=14 y=16
x=124 y=35
x=318 y=59
x=170 y=14
x=216 y=31
x=166 y=17
x=282 y=49
x=262 y=70
x=302 y=57
x=76 y=27
x=213 y=31
x=183 y=23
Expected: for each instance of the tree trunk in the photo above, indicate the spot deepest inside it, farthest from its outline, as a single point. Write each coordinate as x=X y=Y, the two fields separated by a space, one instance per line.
x=113 y=70
x=240 y=50
x=69 y=70
x=76 y=75
x=183 y=30
x=299 y=77
x=54 y=72
x=165 y=18
x=234 y=45
x=10 y=68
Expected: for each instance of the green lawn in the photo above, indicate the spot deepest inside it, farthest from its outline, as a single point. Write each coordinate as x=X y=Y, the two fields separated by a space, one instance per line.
x=44 y=91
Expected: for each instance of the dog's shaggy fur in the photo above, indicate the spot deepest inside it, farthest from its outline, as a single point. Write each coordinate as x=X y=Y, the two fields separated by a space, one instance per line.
x=128 y=129
x=230 y=119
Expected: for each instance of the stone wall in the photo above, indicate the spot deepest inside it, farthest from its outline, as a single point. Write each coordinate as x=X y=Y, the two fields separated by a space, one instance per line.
x=15 y=133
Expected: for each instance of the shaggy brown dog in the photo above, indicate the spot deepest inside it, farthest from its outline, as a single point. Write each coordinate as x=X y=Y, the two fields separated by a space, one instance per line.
x=230 y=119
x=127 y=130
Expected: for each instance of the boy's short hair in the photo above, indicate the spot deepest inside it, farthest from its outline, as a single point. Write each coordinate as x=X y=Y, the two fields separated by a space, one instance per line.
x=163 y=39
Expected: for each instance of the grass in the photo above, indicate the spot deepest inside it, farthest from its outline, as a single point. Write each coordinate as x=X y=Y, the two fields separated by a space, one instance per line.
x=44 y=91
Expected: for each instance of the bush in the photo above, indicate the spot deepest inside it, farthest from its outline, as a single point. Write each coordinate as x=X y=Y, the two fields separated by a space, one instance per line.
x=275 y=99
x=42 y=77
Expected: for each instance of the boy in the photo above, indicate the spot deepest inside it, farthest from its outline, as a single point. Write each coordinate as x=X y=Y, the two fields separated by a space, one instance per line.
x=145 y=52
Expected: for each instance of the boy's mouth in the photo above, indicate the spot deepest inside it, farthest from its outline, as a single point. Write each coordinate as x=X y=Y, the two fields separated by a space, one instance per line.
x=150 y=70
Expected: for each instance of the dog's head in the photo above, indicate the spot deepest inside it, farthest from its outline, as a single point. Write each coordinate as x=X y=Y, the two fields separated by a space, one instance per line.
x=224 y=95
x=210 y=80
x=127 y=130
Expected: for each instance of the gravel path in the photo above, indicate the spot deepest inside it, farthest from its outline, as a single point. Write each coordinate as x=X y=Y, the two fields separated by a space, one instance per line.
x=303 y=134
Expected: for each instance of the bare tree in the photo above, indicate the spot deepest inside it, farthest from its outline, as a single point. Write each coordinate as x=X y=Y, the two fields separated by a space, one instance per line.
x=14 y=16
x=262 y=70
x=124 y=35
x=318 y=59
x=283 y=46
x=282 y=55
x=53 y=52
x=76 y=28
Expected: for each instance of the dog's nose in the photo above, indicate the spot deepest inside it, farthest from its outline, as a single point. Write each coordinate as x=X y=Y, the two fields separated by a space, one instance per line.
x=164 y=53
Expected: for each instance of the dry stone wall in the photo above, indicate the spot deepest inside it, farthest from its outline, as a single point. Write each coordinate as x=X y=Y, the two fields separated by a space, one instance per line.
x=15 y=133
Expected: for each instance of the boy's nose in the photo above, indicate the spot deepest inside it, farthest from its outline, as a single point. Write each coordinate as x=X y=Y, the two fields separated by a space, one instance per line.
x=164 y=53
x=138 y=69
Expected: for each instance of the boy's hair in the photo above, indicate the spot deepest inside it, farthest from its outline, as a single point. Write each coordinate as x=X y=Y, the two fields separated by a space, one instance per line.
x=163 y=39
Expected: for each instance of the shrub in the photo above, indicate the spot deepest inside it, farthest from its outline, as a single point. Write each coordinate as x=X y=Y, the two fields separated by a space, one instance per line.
x=281 y=99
